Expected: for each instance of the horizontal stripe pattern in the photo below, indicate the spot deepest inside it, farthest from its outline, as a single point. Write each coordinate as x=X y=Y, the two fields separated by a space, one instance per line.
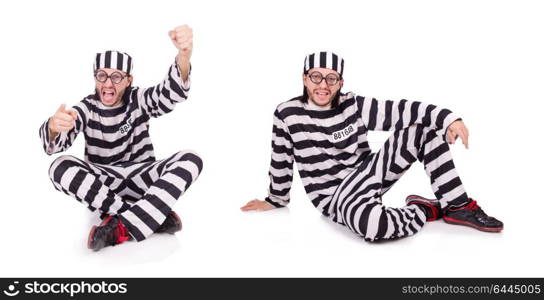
x=120 y=134
x=143 y=194
x=329 y=144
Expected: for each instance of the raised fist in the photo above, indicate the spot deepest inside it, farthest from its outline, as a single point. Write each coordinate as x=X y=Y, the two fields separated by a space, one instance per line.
x=62 y=120
x=182 y=38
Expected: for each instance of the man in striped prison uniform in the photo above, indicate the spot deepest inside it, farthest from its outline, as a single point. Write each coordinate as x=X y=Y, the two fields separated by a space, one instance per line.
x=120 y=176
x=325 y=132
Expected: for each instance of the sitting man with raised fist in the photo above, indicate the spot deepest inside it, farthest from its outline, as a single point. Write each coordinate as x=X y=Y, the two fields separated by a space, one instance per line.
x=120 y=176
x=325 y=132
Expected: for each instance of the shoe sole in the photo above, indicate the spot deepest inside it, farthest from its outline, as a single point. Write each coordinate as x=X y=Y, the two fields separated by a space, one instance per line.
x=464 y=223
x=414 y=199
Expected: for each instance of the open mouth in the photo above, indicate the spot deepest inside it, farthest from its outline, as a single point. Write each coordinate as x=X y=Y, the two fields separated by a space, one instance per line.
x=108 y=96
x=322 y=95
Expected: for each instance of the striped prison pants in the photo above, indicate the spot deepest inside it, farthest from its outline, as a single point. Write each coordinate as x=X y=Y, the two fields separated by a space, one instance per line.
x=142 y=194
x=358 y=199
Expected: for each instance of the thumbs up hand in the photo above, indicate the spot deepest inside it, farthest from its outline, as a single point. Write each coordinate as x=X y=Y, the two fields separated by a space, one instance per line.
x=61 y=121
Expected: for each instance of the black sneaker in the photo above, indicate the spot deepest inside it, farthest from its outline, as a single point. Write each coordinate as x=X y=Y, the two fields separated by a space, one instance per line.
x=110 y=232
x=171 y=224
x=472 y=215
x=432 y=208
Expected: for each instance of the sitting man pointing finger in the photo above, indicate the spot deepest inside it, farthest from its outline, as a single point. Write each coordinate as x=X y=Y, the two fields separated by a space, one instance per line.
x=119 y=176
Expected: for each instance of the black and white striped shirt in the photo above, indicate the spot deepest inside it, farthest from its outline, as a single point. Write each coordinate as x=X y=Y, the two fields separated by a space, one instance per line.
x=328 y=144
x=120 y=134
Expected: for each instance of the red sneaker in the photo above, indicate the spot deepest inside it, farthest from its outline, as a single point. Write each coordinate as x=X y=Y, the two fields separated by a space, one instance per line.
x=432 y=208
x=110 y=232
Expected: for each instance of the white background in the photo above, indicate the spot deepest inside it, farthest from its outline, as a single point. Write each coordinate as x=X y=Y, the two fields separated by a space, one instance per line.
x=481 y=59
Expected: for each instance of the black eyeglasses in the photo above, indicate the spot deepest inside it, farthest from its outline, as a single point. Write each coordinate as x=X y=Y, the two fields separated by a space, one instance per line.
x=331 y=78
x=102 y=76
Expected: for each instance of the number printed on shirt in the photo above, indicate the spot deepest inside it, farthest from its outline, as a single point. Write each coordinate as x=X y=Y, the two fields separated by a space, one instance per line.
x=343 y=134
x=125 y=127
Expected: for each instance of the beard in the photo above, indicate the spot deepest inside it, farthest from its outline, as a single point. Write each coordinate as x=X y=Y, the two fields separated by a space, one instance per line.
x=332 y=101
